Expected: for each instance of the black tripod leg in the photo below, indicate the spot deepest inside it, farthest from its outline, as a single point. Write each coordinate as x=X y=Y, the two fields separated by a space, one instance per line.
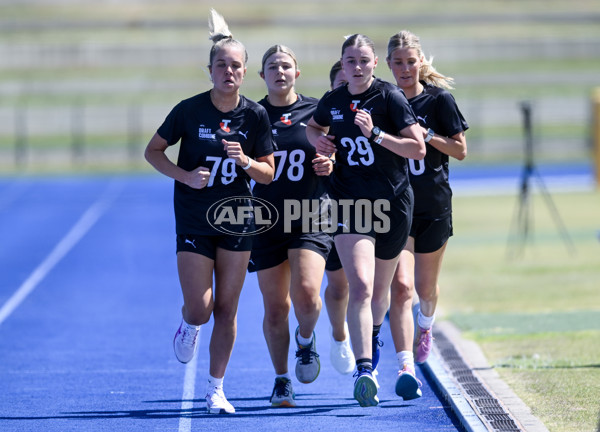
x=555 y=215
x=521 y=216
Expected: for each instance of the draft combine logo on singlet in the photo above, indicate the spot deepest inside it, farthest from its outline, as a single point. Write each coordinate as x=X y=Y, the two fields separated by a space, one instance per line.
x=285 y=119
x=336 y=115
x=354 y=105
x=242 y=215
x=205 y=133
x=225 y=125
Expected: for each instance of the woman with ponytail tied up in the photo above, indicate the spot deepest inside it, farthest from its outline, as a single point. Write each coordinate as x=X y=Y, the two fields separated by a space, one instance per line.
x=225 y=141
x=442 y=127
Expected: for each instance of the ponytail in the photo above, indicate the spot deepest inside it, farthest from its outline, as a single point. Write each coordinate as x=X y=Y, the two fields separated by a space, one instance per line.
x=220 y=35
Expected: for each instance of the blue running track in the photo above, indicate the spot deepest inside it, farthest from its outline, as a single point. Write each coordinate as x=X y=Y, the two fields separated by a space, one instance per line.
x=90 y=301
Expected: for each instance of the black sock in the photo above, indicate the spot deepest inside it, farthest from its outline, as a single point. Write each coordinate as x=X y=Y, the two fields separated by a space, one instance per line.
x=364 y=363
x=376 y=329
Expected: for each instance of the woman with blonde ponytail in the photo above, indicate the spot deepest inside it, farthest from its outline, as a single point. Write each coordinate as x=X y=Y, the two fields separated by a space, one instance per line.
x=225 y=141
x=443 y=127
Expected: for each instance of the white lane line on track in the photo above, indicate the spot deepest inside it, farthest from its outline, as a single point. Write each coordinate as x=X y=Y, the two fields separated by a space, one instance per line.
x=83 y=225
x=187 y=398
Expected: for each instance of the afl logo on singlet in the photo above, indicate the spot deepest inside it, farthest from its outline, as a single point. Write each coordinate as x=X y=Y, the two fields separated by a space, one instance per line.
x=242 y=215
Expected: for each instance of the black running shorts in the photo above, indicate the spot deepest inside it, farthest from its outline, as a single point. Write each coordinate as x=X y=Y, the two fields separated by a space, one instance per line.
x=270 y=251
x=207 y=245
x=431 y=235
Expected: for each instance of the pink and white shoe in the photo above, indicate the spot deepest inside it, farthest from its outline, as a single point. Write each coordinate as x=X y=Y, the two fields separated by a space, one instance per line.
x=184 y=343
x=423 y=344
x=407 y=385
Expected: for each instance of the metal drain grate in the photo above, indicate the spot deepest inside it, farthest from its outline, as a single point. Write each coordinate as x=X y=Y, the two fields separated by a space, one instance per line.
x=488 y=408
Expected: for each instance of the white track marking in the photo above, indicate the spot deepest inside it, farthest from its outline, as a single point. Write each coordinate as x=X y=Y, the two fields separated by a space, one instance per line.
x=83 y=225
x=187 y=398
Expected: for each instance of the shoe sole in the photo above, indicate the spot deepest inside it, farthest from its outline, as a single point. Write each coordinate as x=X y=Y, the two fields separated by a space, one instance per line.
x=284 y=404
x=407 y=387
x=219 y=411
x=365 y=392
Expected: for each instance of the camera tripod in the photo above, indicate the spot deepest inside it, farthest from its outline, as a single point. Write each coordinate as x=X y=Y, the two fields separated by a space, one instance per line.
x=522 y=214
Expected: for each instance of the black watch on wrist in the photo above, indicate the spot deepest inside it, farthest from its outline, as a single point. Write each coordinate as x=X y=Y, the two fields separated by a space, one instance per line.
x=375 y=132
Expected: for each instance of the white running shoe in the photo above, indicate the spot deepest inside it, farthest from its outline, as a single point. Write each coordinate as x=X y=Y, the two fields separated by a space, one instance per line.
x=217 y=403
x=184 y=343
x=375 y=373
x=341 y=355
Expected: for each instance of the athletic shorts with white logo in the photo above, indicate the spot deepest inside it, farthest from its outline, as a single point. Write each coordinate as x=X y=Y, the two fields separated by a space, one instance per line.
x=207 y=245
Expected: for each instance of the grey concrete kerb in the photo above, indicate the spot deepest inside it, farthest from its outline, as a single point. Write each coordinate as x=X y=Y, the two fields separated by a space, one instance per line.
x=474 y=357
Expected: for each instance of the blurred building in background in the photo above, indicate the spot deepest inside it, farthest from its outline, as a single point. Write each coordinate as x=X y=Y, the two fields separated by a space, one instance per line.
x=84 y=85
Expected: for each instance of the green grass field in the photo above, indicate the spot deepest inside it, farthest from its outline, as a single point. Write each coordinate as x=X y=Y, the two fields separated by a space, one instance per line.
x=535 y=310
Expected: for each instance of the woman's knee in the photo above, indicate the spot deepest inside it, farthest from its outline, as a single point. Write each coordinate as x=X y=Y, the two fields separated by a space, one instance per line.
x=336 y=292
x=277 y=313
x=306 y=300
x=360 y=294
x=195 y=315
x=402 y=289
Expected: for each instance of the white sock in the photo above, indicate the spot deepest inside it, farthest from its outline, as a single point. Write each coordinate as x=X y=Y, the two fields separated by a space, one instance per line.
x=425 y=322
x=304 y=341
x=406 y=358
x=215 y=382
x=285 y=375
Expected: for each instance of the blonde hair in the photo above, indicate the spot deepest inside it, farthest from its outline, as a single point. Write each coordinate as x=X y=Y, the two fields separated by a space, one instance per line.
x=219 y=34
x=427 y=72
x=275 y=49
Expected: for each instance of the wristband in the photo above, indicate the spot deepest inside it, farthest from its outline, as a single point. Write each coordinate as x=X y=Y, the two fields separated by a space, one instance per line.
x=430 y=134
x=379 y=138
x=249 y=164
